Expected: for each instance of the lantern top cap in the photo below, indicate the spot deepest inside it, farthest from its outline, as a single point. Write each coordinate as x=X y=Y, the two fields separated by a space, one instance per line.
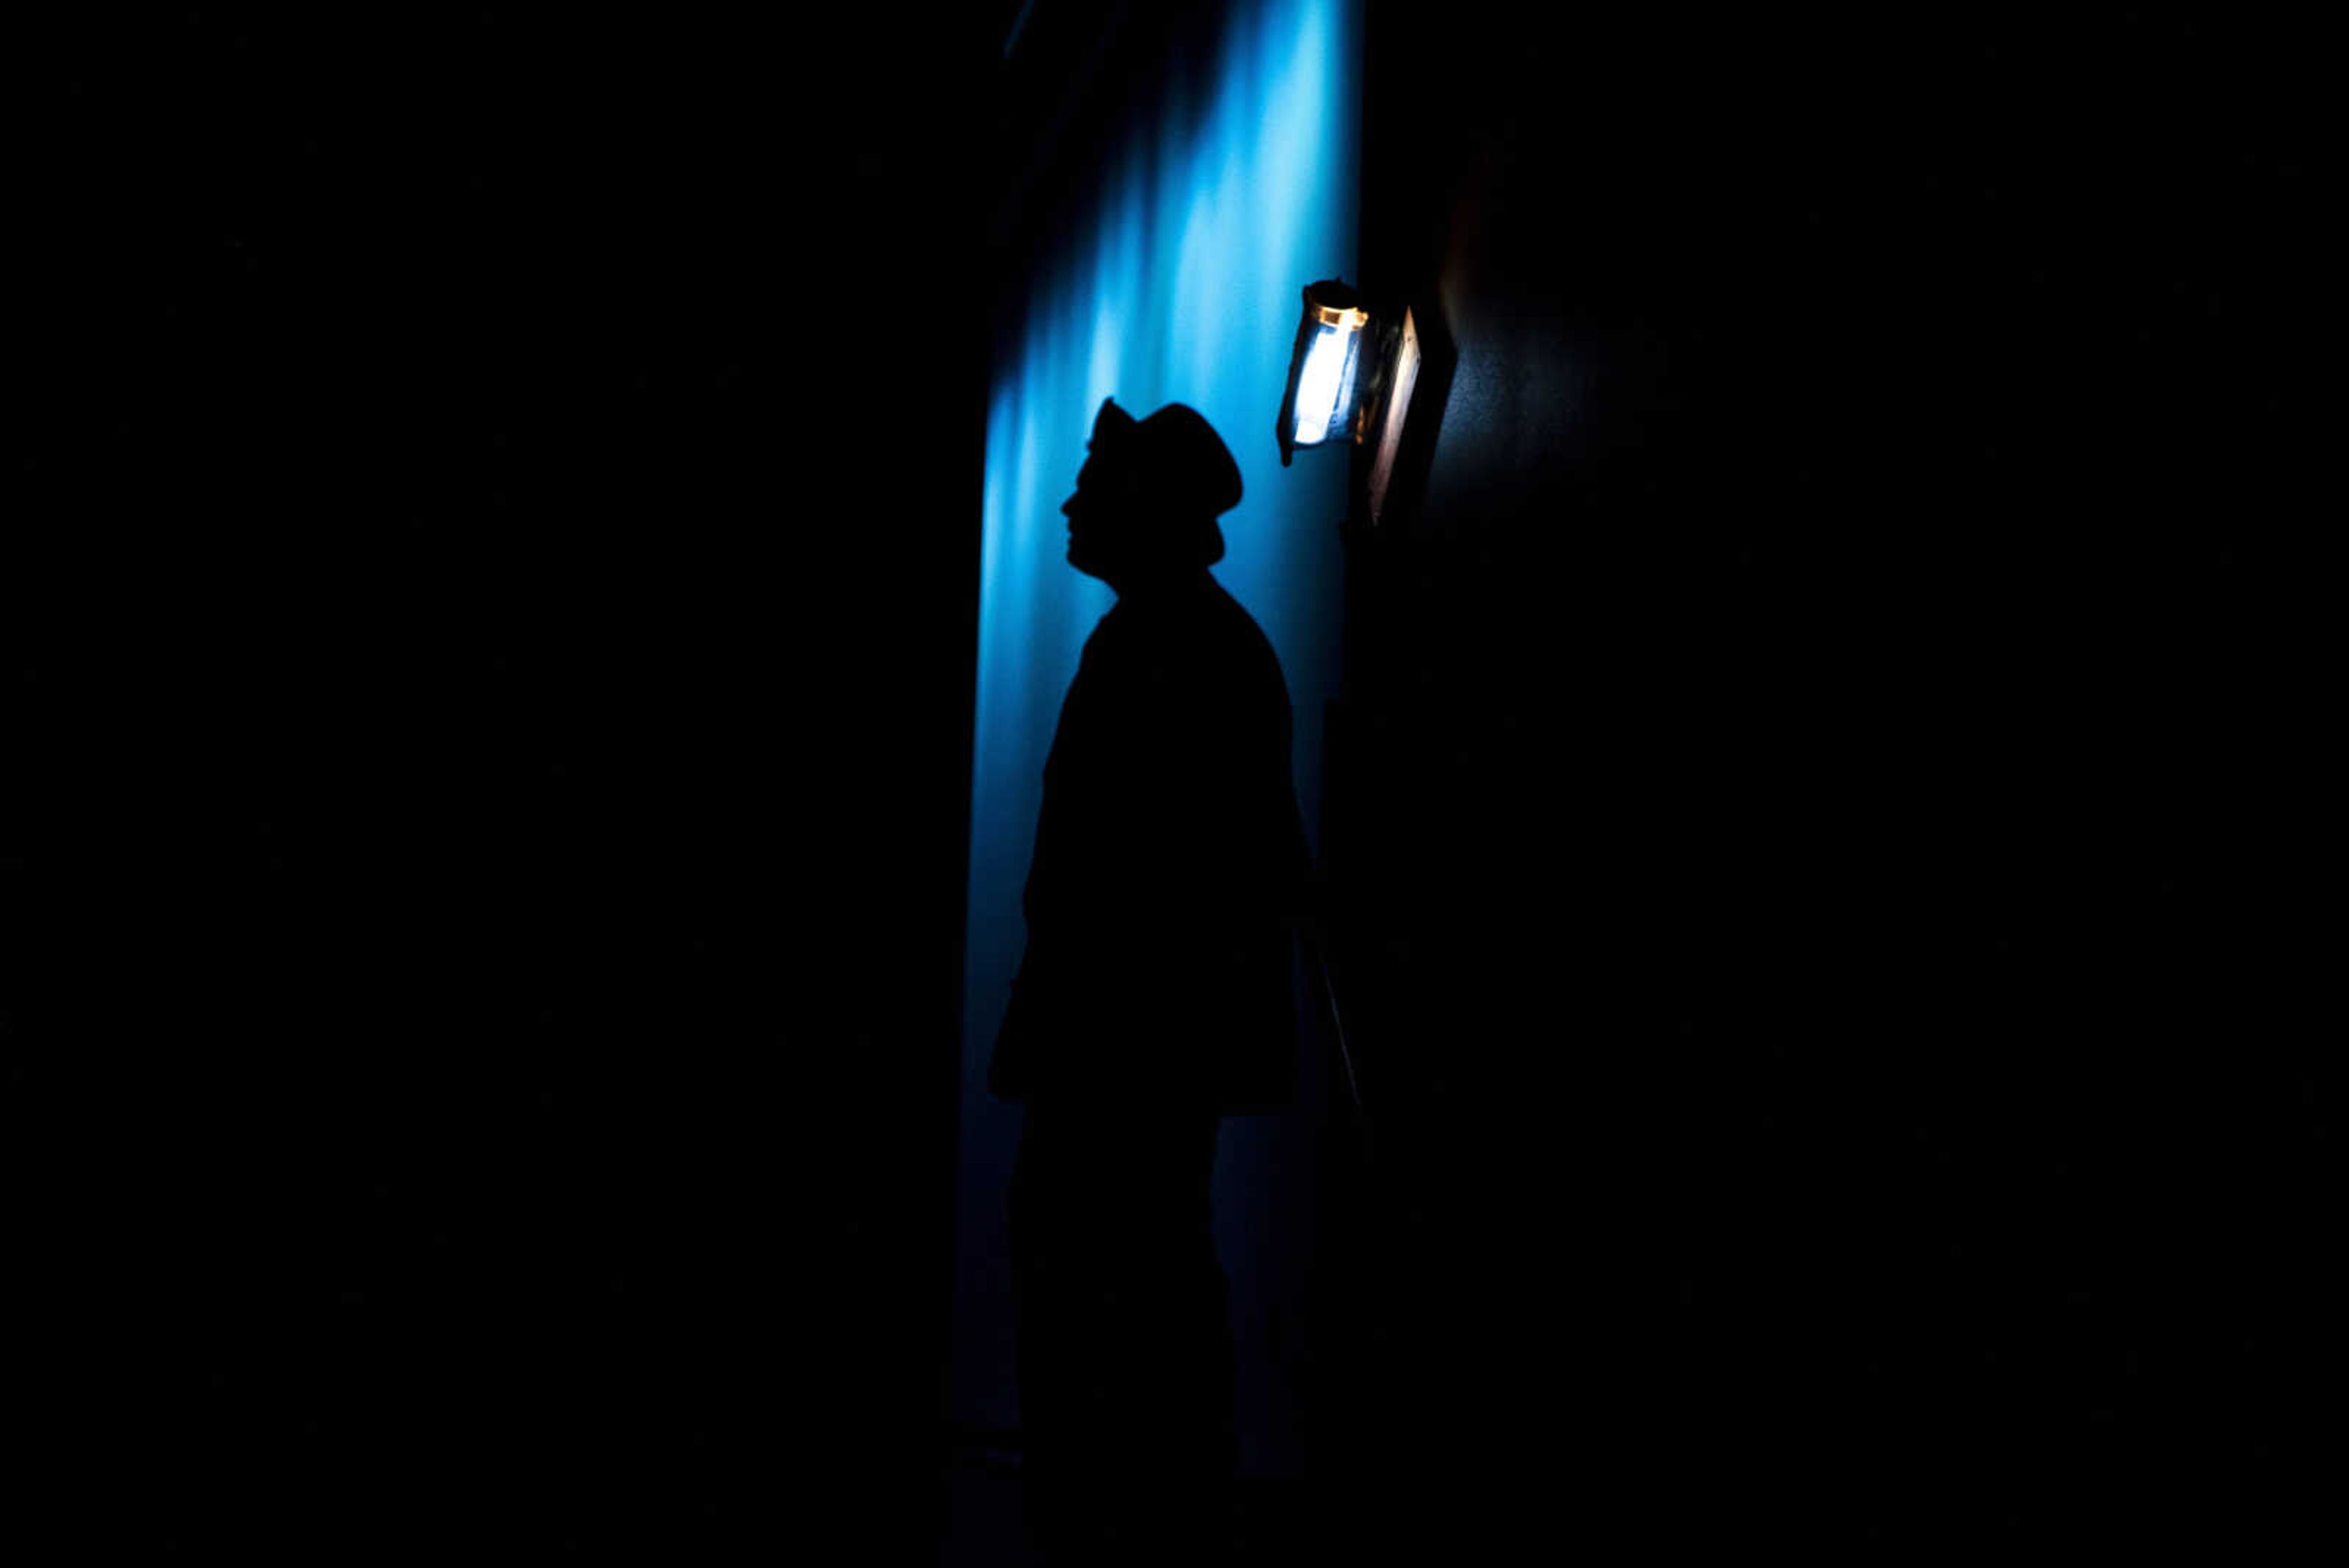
x=1333 y=303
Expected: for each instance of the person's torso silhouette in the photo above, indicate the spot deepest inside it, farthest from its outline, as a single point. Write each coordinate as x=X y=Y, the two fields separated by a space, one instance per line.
x=1169 y=853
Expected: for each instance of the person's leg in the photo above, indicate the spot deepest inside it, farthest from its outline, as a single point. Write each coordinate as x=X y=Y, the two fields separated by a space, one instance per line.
x=1040 y=1298
x=1125 y=1356
x=1064 y=1308
x=1172 y=1362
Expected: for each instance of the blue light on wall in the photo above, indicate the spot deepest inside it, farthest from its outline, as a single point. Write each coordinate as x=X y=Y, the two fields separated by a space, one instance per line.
x=1176 y=283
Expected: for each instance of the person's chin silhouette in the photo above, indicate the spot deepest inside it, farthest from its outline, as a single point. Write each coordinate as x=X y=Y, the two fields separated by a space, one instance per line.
x=1153 y=997
x=1120 y=534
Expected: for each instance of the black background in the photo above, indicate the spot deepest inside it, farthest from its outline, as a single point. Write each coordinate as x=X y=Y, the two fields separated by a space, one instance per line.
x=499 y=601
x=494 y=601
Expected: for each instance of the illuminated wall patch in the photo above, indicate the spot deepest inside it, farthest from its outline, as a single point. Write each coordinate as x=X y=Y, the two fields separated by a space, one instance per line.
x=1178 y=284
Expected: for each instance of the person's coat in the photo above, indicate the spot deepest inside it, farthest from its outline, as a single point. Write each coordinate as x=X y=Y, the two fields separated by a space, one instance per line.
x=1169 y=864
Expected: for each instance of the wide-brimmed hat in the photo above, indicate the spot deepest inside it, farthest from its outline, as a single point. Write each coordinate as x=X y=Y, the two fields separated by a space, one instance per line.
x=1182 y=462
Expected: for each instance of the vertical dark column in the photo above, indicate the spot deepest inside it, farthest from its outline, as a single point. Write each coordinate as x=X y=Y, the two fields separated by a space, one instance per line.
x=1796 y=757
x=511 y=670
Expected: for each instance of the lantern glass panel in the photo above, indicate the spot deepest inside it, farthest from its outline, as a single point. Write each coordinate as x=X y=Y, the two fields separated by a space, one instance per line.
x=1325 y=386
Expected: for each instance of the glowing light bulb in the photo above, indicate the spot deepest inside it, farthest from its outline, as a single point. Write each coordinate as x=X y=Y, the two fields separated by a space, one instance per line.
x=1319 y=386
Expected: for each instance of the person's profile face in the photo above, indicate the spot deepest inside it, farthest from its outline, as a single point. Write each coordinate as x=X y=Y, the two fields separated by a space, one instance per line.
x=1094 y=511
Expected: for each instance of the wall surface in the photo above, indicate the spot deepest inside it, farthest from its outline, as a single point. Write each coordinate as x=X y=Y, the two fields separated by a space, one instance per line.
x=1165 y=269
x=1790 y=809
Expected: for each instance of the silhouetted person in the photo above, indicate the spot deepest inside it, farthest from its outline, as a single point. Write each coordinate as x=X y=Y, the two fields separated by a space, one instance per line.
x=1154 y=999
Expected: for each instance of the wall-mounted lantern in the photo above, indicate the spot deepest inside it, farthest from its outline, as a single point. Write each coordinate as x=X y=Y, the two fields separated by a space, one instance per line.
x=1321 y=402
x=1350 y=375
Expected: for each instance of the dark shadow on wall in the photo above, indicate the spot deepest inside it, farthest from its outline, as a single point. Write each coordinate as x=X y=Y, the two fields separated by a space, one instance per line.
x=1791 y=784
